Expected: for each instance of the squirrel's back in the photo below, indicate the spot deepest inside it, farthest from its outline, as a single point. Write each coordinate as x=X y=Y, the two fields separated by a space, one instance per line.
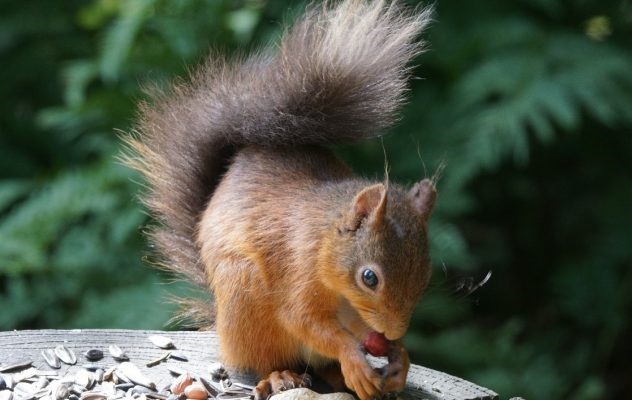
x=337 y=76
x=263 y=200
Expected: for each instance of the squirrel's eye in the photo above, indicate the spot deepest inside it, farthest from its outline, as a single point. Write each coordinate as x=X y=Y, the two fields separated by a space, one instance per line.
x=369 y=278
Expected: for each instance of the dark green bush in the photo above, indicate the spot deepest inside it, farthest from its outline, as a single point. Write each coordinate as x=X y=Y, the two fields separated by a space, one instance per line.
x=528 y=105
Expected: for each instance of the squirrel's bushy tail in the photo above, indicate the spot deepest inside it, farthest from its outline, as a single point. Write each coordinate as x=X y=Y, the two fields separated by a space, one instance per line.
x=338 y=75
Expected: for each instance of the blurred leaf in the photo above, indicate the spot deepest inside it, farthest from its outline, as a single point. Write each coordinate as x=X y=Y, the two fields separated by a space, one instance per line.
x=243 y=22
x=11 y=191
x=38 y=221
x=78 y=76
x=139 y=306
x=94 y=15
x=120 y=36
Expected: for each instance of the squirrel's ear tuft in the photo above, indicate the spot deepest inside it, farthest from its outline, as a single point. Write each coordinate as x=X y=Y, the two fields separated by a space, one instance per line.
x=422 y=196
x=368 y=205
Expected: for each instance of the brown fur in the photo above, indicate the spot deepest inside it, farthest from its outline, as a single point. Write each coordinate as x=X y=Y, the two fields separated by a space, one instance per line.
x=253 y=207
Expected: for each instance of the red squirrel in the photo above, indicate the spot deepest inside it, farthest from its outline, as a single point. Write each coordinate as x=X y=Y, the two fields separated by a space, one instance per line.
x=308 y=264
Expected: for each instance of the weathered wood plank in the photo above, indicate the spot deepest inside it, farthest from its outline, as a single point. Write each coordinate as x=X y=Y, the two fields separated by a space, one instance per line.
x=201 y=349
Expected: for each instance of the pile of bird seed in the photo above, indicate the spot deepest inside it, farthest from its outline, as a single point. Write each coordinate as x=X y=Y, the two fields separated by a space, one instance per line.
x=122 y=380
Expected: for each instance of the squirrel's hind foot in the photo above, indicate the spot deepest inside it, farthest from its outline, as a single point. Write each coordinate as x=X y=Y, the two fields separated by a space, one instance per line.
x=280 y=381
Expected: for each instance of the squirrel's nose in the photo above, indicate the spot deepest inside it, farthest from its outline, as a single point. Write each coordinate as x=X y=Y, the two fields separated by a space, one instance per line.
x=393 y=335
x=395 y=331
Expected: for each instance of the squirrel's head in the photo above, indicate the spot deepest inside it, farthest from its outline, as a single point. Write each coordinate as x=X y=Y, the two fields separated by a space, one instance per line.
x=379 y=261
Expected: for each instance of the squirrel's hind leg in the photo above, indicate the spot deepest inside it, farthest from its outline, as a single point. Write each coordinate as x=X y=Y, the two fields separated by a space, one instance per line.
x=332 y=376
x=249 y=333
x=278 y=382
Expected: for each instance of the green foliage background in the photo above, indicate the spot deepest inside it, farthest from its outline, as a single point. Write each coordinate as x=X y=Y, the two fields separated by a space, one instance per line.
x=528 y=104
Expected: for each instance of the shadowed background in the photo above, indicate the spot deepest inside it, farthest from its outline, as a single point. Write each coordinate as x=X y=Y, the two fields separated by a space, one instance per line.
x=527 y=103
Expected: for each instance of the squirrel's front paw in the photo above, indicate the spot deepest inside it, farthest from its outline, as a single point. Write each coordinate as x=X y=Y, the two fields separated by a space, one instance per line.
x=397 y=369
x=280 y=381
x=360 y=377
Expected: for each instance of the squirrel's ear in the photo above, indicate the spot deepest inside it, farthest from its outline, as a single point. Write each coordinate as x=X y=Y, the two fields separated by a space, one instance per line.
x=422 y=196
x=369 y=205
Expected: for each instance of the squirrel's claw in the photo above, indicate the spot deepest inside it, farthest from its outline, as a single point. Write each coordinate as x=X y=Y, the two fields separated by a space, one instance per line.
x=361 y=378
x=278 y=382
x=397 y=369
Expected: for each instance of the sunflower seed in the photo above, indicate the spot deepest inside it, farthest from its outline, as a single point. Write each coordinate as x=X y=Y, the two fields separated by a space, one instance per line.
x=84 y=378
x=9 y=381
x=158 y=360
x=135 y=375
x=67 y=380
x=6 y=395
x=93 y=355
x=41 y=382
x=47 y=374
x=124 y=386
x=117 y=353
x=107 y=388
x=40 y=393
x=77 y=389
x=93 y=396
x=16 y=366
x=58 y=390
x=119 y=377
x=98 y=375
x=178 y=355
x=161 y=341
x=210 y=387
x=51 y=358
x=25 y=374
x=141 y=390
x=175 y=370
x=24 y=391
x=107 y=374
x=156 y=396
x=244 y=386
x=118 y=395
x=66 y=355
x=225 y=384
